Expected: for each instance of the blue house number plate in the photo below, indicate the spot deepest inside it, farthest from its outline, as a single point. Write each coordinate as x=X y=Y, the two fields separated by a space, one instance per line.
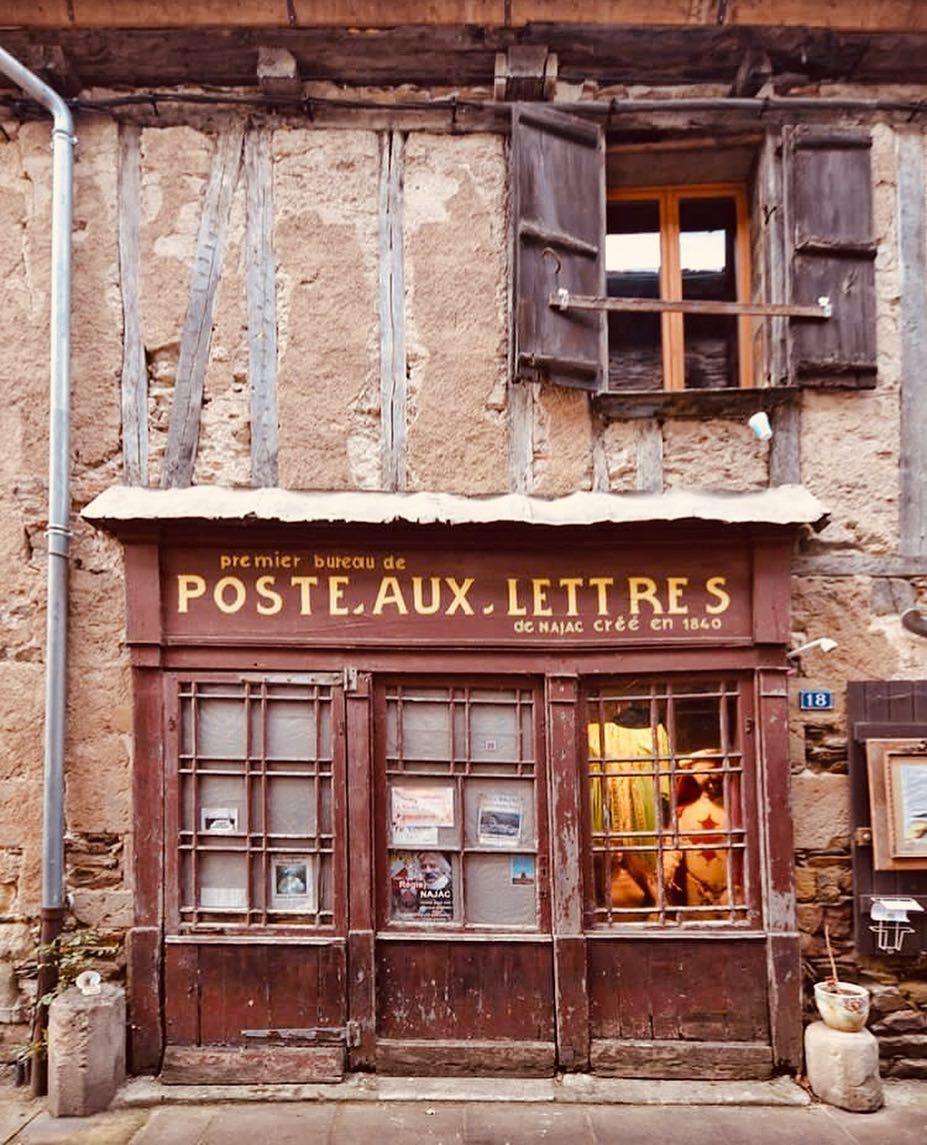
x=820 y=701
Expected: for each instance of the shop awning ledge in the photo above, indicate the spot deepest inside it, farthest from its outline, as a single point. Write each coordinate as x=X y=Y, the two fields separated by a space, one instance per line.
x=123 y=505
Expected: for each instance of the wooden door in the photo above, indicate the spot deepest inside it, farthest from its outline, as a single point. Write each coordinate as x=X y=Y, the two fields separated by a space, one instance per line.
x=464 y=952
x=255 y=973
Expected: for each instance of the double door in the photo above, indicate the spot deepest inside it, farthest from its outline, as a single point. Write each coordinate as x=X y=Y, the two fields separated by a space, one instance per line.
x=434 y=876
x=355 y=878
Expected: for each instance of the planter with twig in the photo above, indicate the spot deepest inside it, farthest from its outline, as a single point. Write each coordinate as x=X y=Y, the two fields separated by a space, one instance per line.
x=842 y=1005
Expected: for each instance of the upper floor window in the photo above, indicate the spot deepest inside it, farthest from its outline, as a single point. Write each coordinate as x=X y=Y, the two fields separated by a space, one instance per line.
x=678 y=266
x=690 y=243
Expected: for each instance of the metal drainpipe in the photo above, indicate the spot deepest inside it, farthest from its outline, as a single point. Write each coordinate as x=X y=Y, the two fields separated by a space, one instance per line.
x=59 y=534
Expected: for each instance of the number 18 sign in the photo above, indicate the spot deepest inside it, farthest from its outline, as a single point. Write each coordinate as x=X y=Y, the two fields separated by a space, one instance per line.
x=819 y=701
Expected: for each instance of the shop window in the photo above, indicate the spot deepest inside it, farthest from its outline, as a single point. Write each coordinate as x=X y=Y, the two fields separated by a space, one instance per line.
x=461 y=808
x=632 y=262
x=254 y=804
x=666 y=785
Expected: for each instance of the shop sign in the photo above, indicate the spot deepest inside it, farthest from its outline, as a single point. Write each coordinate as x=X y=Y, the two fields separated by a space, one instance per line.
x=628 y=595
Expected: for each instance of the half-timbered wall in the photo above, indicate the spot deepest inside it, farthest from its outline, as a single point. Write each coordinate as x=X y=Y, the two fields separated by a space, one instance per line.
x=327 y=308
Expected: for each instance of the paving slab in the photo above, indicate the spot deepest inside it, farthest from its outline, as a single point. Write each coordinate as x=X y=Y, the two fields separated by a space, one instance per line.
x=17 y=1109
x=526 y=1125
x=115 y=1127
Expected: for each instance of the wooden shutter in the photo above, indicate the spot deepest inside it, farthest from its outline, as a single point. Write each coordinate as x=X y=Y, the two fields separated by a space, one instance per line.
x=558 y=203
x=829 y=189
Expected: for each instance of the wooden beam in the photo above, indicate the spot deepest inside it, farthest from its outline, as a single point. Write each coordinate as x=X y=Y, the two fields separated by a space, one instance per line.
x=755 y=70
x=59 y=70
x=134 y=368
x=859 y=564
x=183 y=431
x=650 y=458
x=785 y=447
x=392 y=303
x=261 y=301
x=912 y=234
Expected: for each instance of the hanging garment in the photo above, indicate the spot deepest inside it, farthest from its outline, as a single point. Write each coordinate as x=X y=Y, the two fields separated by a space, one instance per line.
x=629 y=802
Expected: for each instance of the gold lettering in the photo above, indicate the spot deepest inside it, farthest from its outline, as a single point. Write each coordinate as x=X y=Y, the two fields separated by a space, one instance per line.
x=515 y=609
x=571 y=584
x=601 y=584
x=460 y=595
x=539 y=596
x=714 y=586
x=263 y=586
x=305 y=584
x=674 y=590
x=238 y=589
x=389 y=592
x=643 y=588
x=189 y=587
x=335 y=594
x=418 y=602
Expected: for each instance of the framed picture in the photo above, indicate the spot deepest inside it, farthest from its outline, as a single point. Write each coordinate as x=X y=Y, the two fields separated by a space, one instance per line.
x=293 y=884
x=898 y=801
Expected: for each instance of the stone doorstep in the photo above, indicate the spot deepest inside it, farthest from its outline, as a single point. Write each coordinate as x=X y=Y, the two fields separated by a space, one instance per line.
x=568 y=1089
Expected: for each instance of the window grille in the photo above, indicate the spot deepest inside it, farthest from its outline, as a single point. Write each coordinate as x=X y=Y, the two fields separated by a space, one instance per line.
x=666 y=809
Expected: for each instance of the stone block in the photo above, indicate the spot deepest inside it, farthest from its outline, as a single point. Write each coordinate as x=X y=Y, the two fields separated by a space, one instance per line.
x=86 y=1050
x=821 y=811
x=843 y=1069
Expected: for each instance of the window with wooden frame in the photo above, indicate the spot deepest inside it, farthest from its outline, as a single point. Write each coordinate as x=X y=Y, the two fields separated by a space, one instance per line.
x=254 y=802
x=791 y=303
x=462 y=809
x=690 y=243
x=671 y=800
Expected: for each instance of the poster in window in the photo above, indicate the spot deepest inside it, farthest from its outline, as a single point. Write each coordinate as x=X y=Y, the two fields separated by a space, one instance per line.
x=416 y=813
x=523 y=871
x=219 y=820
x=421 y=886
x=499 y=821
x=293 y=884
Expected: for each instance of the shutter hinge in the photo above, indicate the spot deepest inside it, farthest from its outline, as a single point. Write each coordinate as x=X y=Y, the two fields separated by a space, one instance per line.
x=862 y=836
x=352 y=1034
x=350 y=679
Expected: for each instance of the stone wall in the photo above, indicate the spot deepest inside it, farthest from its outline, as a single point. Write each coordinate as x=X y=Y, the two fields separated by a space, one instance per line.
x=459 y=422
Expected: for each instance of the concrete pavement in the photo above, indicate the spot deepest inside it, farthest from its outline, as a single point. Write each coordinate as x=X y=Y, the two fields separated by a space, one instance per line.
x=494 y=1120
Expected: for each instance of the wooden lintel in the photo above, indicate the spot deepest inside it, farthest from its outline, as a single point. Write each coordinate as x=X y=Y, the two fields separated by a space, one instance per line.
x=278 y=73
x=59 y=70
x=525 y=72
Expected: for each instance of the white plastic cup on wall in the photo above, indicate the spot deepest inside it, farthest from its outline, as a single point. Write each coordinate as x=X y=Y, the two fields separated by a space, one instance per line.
x=759 y=423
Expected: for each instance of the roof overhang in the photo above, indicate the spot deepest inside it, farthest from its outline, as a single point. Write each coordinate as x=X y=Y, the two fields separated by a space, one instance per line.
x=121 y=507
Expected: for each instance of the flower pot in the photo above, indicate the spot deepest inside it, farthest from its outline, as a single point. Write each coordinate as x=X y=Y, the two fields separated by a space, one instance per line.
x=842 y=1005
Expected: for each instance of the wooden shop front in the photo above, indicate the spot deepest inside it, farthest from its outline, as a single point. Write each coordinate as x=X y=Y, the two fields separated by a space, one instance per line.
x=423 y=799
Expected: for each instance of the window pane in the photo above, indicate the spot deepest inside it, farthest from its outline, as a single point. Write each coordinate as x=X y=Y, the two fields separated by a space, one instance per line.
x=501 y=890
x=667 y=833
x=707 y=245
x=632 y=270
x=256 y=831
x=460 y=818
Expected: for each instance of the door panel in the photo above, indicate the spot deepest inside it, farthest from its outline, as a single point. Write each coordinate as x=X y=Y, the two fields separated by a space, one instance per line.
x=255 y=961
x=462 y=990
x=463 y=873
